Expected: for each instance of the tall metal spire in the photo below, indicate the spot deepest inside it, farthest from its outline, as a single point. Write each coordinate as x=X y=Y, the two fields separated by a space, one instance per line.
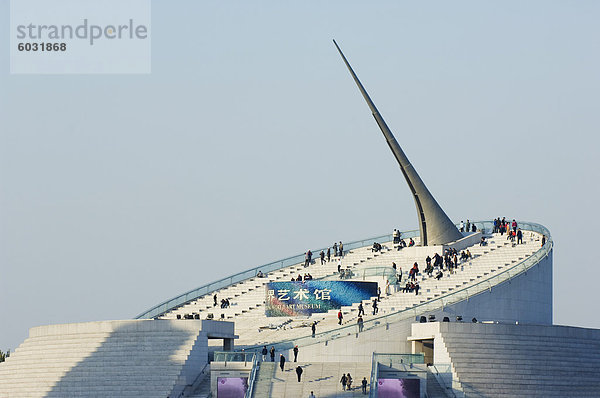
x=436 y=228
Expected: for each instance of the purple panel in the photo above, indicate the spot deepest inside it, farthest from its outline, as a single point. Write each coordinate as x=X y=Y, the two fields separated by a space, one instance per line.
x=232 y=387
x=398 y=388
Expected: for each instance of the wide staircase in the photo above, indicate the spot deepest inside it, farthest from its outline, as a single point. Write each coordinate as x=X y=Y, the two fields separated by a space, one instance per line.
x=104 y=359
x=322 y=378
x=524 y=360
x=499 y=254
x=487 y=261
x=248 y=297
x=434 y=387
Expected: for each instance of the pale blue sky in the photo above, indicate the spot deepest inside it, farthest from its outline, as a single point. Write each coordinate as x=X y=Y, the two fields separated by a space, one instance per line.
x=249 y=142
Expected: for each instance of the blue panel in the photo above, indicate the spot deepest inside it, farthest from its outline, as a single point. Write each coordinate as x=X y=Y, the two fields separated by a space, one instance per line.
x=305 y=298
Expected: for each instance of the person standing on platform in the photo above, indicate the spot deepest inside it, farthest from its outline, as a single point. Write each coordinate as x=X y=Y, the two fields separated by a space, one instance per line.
x=340 y=317
x=364 y=385
x=328 y=254
x=308 y=258
x=281 y=361
x=314 y=328
x=322 y=256
x=299 y=372
x=264 y=353
x=343 y=380
x=272 y=354
x=360 y=323
x=295 y=354
x=341 y=249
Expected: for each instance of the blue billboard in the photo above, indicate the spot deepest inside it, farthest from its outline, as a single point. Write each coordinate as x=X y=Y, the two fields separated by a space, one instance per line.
x=305 y=298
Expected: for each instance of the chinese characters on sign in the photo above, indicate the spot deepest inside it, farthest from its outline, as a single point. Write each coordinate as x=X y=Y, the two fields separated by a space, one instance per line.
x=305 y=298
x=301 y=294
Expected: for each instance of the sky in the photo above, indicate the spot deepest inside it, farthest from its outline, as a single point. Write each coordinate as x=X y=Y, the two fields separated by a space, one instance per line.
x=249 y=142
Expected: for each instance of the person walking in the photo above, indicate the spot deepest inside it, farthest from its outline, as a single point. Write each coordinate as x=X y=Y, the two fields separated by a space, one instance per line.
x=314 y=328
x=360 y=324
x=281 y=361
x=361 y=310
x=299 y=372
x=340 y=317
x=343 y=380
x=364 y=385
x=349 y=382
x=215 y=299
x=272 y=352
x=264 y=353
x=296 y=354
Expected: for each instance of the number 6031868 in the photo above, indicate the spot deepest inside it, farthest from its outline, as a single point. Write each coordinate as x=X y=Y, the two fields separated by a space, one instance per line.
x=42 y=47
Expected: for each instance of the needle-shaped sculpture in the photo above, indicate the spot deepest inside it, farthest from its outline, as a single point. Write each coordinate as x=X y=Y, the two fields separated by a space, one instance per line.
x=435 y=226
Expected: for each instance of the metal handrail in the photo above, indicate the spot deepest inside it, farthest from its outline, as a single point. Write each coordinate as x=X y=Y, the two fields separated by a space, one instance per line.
x=188 y=389
x=234 y=356
x=252 y=378
x=361 y=273
x=374 y=373
x=447 y=299
x=441 y=382
x=390 y=359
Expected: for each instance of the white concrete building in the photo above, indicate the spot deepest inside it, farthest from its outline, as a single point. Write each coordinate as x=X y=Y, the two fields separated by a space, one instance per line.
x=504 y=283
